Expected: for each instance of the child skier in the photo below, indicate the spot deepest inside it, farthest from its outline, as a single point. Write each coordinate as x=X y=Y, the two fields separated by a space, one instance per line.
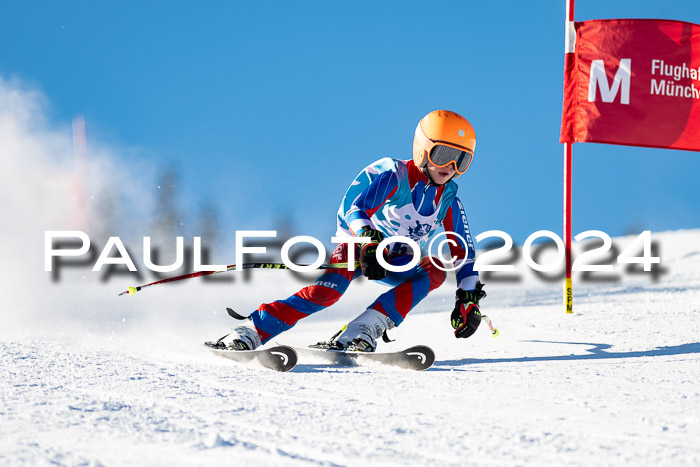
x=391 y=197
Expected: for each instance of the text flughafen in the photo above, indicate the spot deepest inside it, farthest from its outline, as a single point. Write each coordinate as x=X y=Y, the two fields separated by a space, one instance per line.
x=674 y=73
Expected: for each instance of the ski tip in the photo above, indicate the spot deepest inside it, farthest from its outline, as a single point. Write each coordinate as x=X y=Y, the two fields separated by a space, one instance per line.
x=423 y=357
x=284 y=357
x=279 y=358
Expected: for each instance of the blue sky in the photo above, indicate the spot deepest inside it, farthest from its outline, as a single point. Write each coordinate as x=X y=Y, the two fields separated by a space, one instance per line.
x=271 y=108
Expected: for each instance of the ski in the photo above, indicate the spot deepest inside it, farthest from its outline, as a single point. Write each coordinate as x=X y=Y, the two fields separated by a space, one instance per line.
x=278 y=358
x=418 y=357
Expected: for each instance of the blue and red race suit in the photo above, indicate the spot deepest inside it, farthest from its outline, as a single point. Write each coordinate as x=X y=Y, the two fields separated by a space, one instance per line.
x=396 y=198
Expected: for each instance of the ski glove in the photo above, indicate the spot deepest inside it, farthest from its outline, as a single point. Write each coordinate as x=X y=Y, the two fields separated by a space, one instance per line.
x=368 y=255
x=466 y=316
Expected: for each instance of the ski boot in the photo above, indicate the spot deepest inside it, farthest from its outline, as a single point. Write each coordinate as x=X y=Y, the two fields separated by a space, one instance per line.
x=361 y=334
x=240 y=338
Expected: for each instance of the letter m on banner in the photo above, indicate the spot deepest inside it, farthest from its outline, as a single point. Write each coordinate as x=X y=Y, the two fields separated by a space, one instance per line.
x=655 y=103
x=598 y=80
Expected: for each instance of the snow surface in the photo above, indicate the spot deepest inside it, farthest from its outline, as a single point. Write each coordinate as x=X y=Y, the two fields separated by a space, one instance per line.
x=89 y=378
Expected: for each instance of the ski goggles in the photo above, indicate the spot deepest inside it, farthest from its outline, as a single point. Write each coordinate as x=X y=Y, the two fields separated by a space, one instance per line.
x=442 y=155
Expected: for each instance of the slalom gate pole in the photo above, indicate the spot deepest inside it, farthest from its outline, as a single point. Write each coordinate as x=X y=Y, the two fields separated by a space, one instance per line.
x=568 y=285
x=133 y=290
x=569 y=48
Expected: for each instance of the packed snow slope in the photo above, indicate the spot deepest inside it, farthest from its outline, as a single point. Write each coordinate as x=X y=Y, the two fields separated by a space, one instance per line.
x=91 y=378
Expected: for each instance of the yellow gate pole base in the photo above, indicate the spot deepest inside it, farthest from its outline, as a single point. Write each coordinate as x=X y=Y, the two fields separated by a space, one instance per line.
x=568 y=296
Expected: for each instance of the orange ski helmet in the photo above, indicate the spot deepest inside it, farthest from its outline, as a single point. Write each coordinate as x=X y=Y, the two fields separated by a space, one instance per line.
x=443 y=137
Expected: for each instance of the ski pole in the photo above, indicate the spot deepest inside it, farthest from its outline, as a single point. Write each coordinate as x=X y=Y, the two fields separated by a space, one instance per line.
x=133 y=290
x=494 y=331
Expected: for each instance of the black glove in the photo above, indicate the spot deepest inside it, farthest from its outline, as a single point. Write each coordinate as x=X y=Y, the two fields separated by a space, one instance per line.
x=466 y=316
x=368 y=255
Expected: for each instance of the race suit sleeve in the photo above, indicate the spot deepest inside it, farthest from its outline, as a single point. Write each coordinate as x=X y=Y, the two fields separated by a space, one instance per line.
x=370 y=200
x=456 y=221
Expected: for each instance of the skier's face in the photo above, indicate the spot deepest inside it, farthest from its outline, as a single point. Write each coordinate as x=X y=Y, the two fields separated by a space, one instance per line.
x=440 y=175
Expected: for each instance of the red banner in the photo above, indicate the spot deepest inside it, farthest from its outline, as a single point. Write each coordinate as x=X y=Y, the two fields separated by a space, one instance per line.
x=634 y=82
